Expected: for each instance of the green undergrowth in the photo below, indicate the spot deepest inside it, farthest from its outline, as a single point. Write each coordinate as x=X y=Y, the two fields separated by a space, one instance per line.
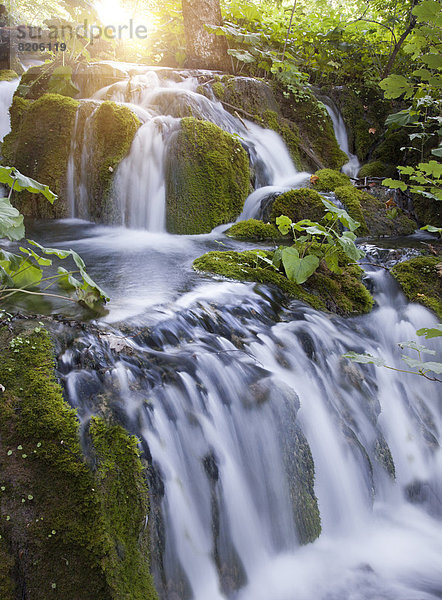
x=207 y=178
x=377 y=168
x=253 y=229
x=421 y=281
x=71 y=527
x=343 y=294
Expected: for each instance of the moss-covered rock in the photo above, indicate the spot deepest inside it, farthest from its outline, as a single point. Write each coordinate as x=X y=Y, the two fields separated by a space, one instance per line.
x=208 y=178
x=427 y=211
x=8 y=75
x=34 y=82
x=327 y=180
x=298 y=204
x=252 y=229
x=373 y=213
x=39 y=146
x=376 y=168
x=113 y=128
x=421 y=282
x=343 y=294
x=71 y=527
x=295 y=114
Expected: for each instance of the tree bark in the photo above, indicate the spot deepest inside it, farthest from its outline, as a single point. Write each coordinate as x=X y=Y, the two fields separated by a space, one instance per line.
x=398 y=46
x=205 y=50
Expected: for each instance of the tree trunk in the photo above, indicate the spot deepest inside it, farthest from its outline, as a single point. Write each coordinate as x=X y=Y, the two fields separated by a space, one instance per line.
x=398 y=46
x=205 y=50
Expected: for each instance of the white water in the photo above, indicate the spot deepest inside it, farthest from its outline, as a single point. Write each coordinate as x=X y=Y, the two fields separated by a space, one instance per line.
x=159 y=102
x=351 y=168
x=224 y=377
x=7 y=89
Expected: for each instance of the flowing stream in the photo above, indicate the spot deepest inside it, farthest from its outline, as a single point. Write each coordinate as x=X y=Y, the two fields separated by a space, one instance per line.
x=242 y=401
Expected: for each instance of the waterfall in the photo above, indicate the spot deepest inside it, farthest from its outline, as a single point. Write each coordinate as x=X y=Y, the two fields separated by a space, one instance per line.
x=160 y=101
x=7 y=89
x=235 y=402
x=351 y=168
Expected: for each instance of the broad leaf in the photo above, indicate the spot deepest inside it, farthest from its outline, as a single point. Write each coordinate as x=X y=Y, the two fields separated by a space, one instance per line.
x=11 y=221
x=431 y=332
x=15 y=180
x=365 y=359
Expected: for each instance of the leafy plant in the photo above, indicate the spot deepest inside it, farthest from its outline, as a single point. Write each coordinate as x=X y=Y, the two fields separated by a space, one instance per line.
x=422 y=116
x=420 y=366
x=20 y=272
x=316 y=242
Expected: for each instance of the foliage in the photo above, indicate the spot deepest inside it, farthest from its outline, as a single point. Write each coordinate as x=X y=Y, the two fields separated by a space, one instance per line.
x=419 y=366
x=423 y=91
x=299 y=261
x=24 y=270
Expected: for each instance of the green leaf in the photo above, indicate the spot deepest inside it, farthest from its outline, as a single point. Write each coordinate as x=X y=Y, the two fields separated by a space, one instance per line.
x=342 y=215
x=241 y=55
x=431 y=332
x=434 y=61
x=402 y=118
x=365 y=359
x=43 y=262
x=427 y=10
x=277 y=257
x=298 y=269
x=394 y=184
x=396 y=85
x=284 y=224
x=332 y=261
x=436 y=367
x=437 y=151
x=415 y=346
x=432 y=229
x=432 y=168
x=11 y=221
x=14 y=179
x=67 y=281
x=349 y=247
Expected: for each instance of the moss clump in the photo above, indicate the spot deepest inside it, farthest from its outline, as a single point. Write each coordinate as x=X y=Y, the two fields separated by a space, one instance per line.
x=375 y=214
x=39 y=145
x=218 y=90
x=298 y=204
x=421 y=282
x=8 y=75
x=252 y=229
x=376 y=168
x=343 y=294
x=63 y=531
x=35 y=81
x=113 y=129
x=208 y=178
x=328 y=180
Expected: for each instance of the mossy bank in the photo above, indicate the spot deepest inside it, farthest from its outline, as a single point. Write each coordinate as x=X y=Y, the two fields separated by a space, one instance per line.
x=71 y=527
x=342 y=294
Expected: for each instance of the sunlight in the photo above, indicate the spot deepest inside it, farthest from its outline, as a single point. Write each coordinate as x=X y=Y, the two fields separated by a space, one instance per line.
x=112 y=12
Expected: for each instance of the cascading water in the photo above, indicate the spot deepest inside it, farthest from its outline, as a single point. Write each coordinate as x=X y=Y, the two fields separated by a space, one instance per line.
x=7 y=89
x=160 y=101
x=353 y=165
x=229 y=393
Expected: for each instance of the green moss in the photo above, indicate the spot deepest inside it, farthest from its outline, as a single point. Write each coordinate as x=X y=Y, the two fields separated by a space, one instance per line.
x=39 y=146
x=298 y=204
x=218 y=90
x=123 y=496
x=376 y=168
x=374 y=213
x=329 y=179
x=34 y=82
x=207 y=176
x=62 y=530
x=252 y=229
x=113 y=129
x=8 y=75
x=420 y=281
x=343 y=294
